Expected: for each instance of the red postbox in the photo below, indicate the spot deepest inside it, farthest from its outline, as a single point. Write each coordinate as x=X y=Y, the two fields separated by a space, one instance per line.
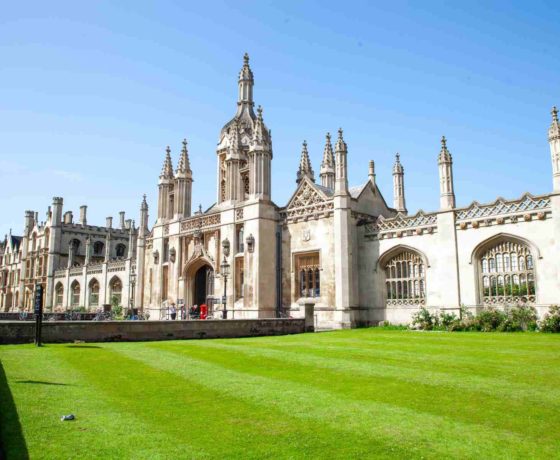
x=203 y=311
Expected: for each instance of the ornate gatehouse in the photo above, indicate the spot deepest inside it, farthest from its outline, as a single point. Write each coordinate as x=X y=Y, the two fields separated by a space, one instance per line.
x=343 y=248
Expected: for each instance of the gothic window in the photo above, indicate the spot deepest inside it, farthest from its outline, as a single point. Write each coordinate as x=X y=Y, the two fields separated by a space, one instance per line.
x=223 y=190
x=240 y=239
x=98 y=247
x=115 y=287
x=239 y=278
x=245 y=180
x=120 y=250
x=59 y=295
x=507 y=273
x=75 y=291
x=405 y=279
x=93 y=293
x=165 y=250
x=309 y=275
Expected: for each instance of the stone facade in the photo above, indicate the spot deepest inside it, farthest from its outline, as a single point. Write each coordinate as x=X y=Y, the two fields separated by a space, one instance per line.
x=342 y=249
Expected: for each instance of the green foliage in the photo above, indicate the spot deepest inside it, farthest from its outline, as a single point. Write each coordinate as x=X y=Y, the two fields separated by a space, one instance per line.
x=116 y=309
x=425 y=320
x=392 y=327
x=489 y=320
x=551 y=321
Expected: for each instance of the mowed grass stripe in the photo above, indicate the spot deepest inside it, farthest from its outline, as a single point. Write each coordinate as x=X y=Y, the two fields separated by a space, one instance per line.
x=220 y=425
x=385 y=424
x=376 y=385
x=46 y=386
x=495 y=358
x=416 y=370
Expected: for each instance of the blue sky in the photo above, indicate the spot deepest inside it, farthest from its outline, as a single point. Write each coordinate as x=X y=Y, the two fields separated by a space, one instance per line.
x=92 y=92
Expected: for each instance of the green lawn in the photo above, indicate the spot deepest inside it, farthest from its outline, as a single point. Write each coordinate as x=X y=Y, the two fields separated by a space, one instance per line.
x=347 y=394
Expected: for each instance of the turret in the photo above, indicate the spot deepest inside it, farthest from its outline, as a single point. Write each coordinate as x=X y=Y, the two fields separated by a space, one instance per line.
x=327 y=165
x=143 y=229
x=260 y=156
x=341 y=176
x=122 y=220
x=83 y=215
x=165 y=211
x=305 y=169
x=446 y=191
x=398 y=186
x=554 y=141
x=183 y=183
x=246 y=83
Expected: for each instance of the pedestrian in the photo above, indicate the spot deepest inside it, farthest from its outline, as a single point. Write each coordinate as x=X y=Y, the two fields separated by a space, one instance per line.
x=173 y=311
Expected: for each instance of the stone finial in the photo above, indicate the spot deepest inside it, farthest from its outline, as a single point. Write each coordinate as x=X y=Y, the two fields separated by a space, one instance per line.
x=246 y=73
x=444 y=154
x=554 y=113
x=328 y=155
x=397 y=167
x=340 y=144
x=144 y=205
x=167 y=169
x=184 y=165
x=305 y=168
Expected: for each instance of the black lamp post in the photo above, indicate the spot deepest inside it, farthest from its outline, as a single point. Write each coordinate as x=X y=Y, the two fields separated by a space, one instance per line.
x=132 y=280
x=224 y=267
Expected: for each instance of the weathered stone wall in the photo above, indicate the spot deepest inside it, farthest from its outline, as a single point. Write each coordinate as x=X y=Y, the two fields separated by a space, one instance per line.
x=12 y=332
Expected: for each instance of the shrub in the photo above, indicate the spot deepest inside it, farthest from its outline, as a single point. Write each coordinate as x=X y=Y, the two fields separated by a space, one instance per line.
x=551 y=321
x=489 y=320
x=425 y=320
x=447 y=319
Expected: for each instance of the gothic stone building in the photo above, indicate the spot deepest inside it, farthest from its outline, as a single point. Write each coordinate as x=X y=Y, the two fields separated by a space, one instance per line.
x=343 y=249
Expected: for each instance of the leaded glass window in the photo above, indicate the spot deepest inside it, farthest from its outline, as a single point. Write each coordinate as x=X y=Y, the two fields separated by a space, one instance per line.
x=405 y=279
x=507 y=274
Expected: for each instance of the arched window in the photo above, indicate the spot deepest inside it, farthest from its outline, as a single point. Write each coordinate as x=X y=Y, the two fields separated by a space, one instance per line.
x=116 y=291
x=405 y=281
x=120 y=250
x=59 y=295
x=98 y=247
x=75 y=290
x=512 y=276
x=93 y=293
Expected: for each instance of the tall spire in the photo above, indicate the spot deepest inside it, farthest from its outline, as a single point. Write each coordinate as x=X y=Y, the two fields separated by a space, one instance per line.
x=341 y=166
x=167 y=169
x=446 y=188
x=554 y=142
x=398 y=185
x=246 y=82
x=305 y=168
x=327 y=165
x=184 y=166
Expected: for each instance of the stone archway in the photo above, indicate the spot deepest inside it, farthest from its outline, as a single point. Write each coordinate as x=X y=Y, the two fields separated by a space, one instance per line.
x=199 y=282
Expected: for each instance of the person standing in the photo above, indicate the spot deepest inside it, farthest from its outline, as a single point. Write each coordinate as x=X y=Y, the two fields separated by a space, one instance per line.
x=173 y=312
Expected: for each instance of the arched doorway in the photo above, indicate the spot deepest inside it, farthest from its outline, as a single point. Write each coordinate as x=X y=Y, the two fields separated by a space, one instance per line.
x=203 y=285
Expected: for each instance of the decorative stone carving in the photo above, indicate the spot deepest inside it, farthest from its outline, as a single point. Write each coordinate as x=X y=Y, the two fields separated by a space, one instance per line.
x=526 y=203
x=527 y=217
x=476 y=224
x=541 y=215
x=463 y=225
x=195 y=222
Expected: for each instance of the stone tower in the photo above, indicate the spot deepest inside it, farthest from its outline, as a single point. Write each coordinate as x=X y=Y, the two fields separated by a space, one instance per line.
x=328 y=165
x=554 y=141
x=166 y=198
x=446 y=191
x=398 y=186
x=244 y=149
x=183 y=184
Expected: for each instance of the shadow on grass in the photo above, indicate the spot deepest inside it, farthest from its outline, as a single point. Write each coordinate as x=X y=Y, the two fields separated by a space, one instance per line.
x=12 y=442
x=41 y=382
x=83 y=346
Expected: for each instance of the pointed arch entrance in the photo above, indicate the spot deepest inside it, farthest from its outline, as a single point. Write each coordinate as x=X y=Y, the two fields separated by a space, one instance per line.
x=199 y=286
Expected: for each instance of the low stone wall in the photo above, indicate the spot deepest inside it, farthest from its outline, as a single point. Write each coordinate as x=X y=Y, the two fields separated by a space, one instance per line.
x=12 y=332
